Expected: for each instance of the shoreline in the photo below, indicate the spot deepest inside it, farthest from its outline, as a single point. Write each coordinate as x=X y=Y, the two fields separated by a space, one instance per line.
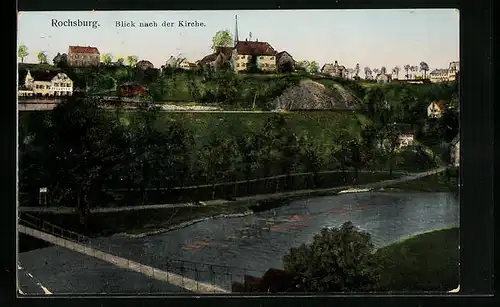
x=182 y=225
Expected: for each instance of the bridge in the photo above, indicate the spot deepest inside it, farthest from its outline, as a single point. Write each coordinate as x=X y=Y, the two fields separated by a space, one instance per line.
x=43 y=230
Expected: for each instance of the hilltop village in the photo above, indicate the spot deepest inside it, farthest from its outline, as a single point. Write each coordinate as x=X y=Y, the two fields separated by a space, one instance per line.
x=241 y=57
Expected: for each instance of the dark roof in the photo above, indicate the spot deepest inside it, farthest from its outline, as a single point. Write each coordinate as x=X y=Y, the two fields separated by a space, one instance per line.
x=44 y=75
x=254 y=48
x=282 y=53
x=82 y=49
x=225 y=51
x=144 y=62
x=209 y=58
x=438 y=71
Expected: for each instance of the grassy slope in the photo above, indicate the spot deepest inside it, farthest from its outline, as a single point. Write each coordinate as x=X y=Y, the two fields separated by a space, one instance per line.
x=426 y=262
x=321 y=126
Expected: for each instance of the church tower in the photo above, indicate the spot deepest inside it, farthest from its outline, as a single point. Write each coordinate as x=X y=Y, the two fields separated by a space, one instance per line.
x=236 y=39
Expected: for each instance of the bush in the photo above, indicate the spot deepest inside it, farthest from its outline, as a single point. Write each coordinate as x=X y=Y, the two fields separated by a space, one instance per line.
x=339 y=259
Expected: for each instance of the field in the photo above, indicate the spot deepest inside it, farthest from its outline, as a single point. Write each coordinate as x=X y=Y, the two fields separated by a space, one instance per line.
x=428 y=262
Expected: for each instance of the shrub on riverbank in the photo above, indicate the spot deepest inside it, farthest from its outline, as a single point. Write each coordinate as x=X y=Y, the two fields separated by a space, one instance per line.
x=342 y=259
x=338 y=259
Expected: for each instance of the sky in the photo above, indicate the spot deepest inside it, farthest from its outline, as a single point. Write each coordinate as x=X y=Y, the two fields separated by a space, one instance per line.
x=373 y=38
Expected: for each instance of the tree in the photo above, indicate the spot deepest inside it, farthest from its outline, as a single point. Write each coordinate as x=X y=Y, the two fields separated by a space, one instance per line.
x=222 y=38
x=376 y=71
x=22 y=52
x=42 y=57
x=338 y=260
x=407 y=70
x=356 y=70
x=78 y=145
x=368 y=72
x=107 y=58
x=120 y=60
x=390 y=136
x=383 y=70
x=424 y=67
x=60 y=60
x=395 y=71
x=302 y=66
x=131 y=60
x=313 y=67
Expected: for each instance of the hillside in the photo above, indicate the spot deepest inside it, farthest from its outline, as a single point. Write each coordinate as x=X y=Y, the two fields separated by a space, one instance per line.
x=311 y=95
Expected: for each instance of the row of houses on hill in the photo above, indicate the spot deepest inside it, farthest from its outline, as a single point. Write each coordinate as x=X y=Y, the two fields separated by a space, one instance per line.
x=247 y=55
x=446 y=75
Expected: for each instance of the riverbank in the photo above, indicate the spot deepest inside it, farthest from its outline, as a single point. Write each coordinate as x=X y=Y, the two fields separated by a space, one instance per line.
x=440 y=182
x=161 y=218
x=424 y=262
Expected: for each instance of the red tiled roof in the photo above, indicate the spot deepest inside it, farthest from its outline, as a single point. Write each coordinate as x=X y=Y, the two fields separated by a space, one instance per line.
x=255 y=48
x=438 y=104
x=81 y=49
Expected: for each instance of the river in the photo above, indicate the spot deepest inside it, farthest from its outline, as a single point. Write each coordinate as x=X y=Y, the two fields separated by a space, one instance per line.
x=249 y=245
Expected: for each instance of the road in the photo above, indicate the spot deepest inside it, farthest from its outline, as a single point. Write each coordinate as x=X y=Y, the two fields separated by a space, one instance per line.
x=29 y=284
x=67 y=210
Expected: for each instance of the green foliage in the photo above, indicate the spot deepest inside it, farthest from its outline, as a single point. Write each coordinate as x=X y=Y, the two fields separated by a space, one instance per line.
x=61 y=60
x=42 y=57
x=338 y=259
x=426 y=262
x=22 y=52
x=107 y=58
x=222 y=38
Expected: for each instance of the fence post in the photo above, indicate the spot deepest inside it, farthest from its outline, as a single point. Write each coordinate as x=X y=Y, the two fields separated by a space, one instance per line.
x=211 y=272
x=166 y=272
x=196 y=277
x=182 y=273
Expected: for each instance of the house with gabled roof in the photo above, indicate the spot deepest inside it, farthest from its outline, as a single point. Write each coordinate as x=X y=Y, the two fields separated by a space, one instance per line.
x=435 y=109
x=46 y=83
x=284 y=62
x=334 y=70
x=221 y=56
x=259 y=55
x=80 y=56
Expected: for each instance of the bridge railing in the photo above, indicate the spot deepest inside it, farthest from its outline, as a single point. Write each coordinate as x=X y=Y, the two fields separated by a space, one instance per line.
x=32 y=221
x=153 y=264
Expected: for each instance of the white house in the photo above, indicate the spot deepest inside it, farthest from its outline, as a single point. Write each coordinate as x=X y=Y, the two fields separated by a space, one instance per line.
x=47 y=83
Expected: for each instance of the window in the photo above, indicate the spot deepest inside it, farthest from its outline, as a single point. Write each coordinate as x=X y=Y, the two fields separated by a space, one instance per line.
x=238 y=65
x=56 y=84
x=272 y=58
x=261 y=57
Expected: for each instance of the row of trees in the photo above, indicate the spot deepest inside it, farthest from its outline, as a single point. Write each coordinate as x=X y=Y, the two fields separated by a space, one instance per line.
x=22 y=53
x=60 y=60
x=80 y=148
